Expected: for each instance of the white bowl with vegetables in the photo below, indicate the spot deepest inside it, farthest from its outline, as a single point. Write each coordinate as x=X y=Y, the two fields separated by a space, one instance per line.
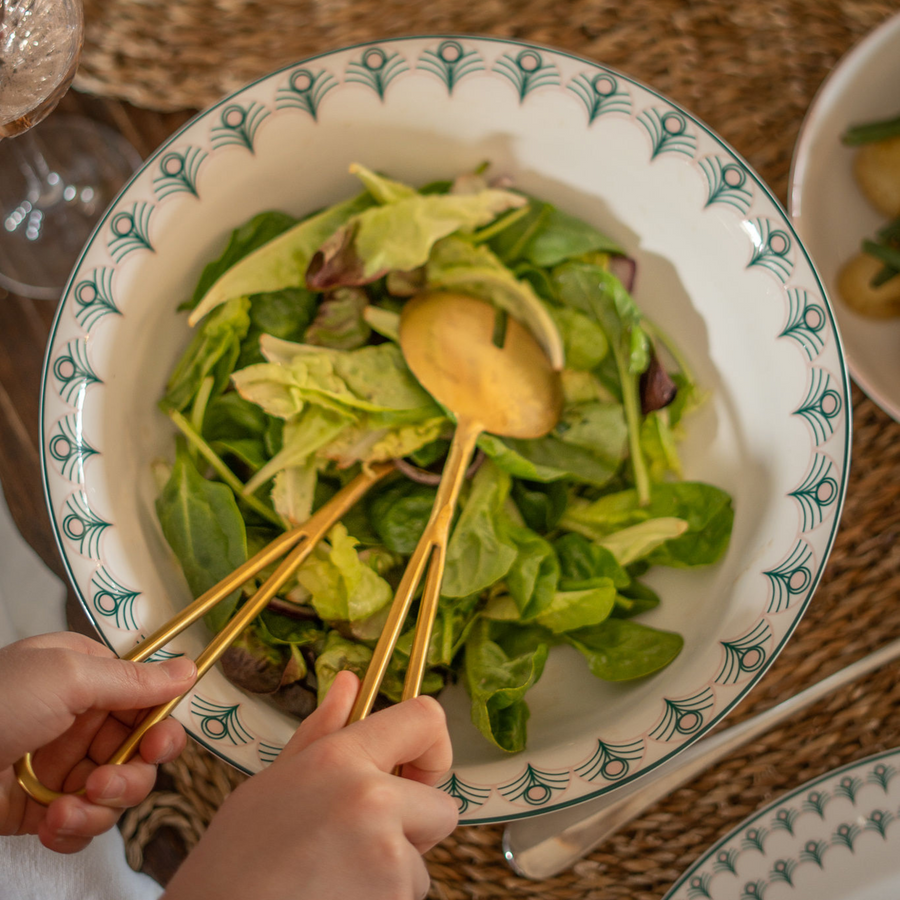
x=614 y=588
x=845 y=204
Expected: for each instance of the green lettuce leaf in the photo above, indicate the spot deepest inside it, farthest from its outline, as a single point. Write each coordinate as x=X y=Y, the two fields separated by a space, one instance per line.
x=372 y=378
x=340 y=654
x=250 y=236
x=560 y=237
x=480 y=551
x=533 y=577
x=213 y=350
x=301 y=438
x=399 y=512
x=284 y=314
x=202 y=524
x=497 y=680
x=456 y=264
x=706 y=510
x=400 y=235
x=339 y=322
x=282 y=261
x=547 y=459
x=382 y=189
x=343 y=588
x=570 y=610
x=621 y=650
x=293 y=491
x=584 y=341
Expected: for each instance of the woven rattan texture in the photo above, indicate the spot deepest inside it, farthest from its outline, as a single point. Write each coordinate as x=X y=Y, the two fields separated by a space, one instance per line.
x=750 y=70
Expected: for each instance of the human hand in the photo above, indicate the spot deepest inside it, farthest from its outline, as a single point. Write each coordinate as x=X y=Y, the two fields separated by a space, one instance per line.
x=327 y=820
x=56 y=694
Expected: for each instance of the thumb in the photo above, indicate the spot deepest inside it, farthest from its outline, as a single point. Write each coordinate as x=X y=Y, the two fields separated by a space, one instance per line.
x=331 y=715
x=115 y=684
x=45 y=688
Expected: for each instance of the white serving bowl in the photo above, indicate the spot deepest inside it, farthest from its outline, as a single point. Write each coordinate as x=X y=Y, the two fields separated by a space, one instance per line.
x=719 y=267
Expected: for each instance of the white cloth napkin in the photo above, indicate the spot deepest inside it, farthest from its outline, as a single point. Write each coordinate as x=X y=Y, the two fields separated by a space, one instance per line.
x=32 y=601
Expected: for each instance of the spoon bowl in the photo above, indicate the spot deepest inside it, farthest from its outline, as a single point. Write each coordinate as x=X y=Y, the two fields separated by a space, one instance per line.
x=448 y=341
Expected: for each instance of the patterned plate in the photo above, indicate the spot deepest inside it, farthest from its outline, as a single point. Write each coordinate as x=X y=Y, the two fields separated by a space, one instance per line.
x=719 y=267
x=834 y=838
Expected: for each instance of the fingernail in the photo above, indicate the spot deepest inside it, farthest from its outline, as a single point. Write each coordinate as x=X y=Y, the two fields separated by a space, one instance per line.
x=114 y=789
x=74 y=823
x=179 y=669
x=166 y=753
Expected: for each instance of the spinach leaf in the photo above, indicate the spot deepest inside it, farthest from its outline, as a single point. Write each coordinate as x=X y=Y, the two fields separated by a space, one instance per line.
x=635 y=599
x=202 y=524
x=706 y=511
x=231 y=417
x=710 y=516
x=480 y=551
x=547 y=459
x=284 y=314
x=342 y=586
x=534 y=574
x=259 y=230
x=541 y=504
x=510 y=244
x=399 y=512
x=581 y=561
x=584 y=340
x=599 y=294
x=597 y=427
x=497 y=684
x=279 y=629
x=214 y=350
x=621 y=650
x=560 y=237
x=570 y=610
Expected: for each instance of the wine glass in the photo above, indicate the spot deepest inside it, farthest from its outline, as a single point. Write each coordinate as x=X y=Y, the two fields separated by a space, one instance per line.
x=55 y=181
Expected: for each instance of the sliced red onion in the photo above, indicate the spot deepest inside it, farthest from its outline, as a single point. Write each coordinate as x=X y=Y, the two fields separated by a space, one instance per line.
x=423 y=476
x=625 y=269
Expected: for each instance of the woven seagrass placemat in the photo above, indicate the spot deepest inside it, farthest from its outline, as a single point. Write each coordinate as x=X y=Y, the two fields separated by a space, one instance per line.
x=748 y=69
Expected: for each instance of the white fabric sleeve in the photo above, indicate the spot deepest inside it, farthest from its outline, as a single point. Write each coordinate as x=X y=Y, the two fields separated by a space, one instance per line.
x=32 y=601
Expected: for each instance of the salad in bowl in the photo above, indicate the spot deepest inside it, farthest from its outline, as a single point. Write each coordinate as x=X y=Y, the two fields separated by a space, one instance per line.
x=225 y=358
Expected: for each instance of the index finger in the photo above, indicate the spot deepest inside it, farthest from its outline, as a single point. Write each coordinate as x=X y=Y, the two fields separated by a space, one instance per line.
x=414 y=732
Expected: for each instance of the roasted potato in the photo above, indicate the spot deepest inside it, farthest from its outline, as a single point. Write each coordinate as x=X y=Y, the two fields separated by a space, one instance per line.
x=854 y=284
x=877 y=169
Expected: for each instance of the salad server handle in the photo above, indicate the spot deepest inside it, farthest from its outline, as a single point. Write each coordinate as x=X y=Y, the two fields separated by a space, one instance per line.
x=303 y=539
x=547 y=845
x=429 y=554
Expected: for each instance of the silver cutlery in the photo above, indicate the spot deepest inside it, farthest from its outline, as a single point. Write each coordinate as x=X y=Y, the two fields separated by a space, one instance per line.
x=546 y=845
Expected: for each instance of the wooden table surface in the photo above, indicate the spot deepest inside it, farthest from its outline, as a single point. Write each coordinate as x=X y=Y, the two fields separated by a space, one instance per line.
x=24 y=330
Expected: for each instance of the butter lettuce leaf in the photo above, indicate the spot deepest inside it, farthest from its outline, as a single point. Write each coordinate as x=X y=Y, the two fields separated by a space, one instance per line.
x=621 y=650
x=342 y=587
x=400 y=235
x=281 y=262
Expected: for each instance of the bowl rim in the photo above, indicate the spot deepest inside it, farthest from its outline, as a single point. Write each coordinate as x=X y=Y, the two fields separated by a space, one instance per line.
x=843 y=379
